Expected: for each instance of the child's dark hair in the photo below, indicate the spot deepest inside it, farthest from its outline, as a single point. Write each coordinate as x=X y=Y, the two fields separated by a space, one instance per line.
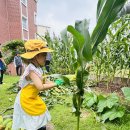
x=27 y=61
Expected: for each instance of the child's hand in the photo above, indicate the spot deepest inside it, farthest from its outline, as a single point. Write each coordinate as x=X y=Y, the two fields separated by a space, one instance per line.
x=48 y=82
x=59 y=82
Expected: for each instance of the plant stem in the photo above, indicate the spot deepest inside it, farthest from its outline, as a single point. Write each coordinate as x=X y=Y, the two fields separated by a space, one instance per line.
x=78 y=120
x=79 y=105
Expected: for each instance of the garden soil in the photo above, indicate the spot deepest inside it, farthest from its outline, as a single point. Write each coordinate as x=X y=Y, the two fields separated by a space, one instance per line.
x=114 y=86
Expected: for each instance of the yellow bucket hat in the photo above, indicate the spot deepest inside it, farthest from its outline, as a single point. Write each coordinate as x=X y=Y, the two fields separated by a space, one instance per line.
x=34 y=47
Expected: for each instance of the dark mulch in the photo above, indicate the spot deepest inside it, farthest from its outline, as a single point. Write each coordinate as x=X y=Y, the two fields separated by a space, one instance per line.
x=114 y=86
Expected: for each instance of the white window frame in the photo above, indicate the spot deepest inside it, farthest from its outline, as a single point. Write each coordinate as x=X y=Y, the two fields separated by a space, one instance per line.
x=24 y=3
x=25 y=28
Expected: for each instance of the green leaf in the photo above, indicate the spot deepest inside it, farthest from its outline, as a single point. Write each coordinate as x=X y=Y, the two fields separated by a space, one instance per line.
x=6 y=121
x=75 y=104
x=101 y=102
x=9 y=125
x=71 y=77
x=107 y=16
x=85 y=75
x=113 y=113
x=1 y=120
x=90 y=99
x=75 y=101
x=112 y=100
x=126 y=92
x=82 y=27
x=107 y=102
x=120 y=29
x=78 y=39
x=100 y=6
x=79 y=78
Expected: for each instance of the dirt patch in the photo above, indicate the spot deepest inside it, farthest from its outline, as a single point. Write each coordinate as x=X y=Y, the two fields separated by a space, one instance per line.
x=114 y=86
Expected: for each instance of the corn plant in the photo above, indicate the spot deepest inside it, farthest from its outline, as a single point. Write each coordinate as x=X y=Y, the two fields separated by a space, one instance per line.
x=85 y=45
x=81 y=43
x=112 y=53
x=62 y=59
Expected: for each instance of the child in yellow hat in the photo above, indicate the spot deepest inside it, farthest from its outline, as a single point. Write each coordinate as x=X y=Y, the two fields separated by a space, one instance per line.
x=30 y=111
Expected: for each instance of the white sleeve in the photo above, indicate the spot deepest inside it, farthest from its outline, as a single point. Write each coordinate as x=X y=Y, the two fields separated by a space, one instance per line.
x=23 y=82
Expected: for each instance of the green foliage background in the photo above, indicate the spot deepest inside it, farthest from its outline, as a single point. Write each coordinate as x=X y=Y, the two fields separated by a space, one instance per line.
x=10 y=48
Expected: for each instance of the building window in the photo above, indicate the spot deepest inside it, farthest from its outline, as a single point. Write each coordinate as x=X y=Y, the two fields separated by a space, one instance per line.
x=35 y=18
x=24 y=22
x=24 y=2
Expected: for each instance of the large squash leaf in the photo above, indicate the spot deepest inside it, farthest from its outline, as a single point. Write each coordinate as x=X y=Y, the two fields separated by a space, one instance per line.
x=90 y=99
x=126 y=92
x=107 y=102
x=113 y=113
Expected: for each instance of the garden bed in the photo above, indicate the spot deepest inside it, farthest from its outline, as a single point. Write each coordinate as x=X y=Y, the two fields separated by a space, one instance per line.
x=113 y=87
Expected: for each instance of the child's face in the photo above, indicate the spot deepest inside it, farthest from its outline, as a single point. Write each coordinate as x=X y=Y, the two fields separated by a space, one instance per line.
x=41 y=58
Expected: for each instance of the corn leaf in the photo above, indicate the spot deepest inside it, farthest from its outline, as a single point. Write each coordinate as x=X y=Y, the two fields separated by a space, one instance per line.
x=79 y=77
x=100 y=6
x=78 y=39
x=107 y=16
x=82 y=28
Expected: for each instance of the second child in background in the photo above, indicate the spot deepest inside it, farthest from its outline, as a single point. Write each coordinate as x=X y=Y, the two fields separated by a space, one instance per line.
x=18 y=64
x=2 y=68
x=47 y=63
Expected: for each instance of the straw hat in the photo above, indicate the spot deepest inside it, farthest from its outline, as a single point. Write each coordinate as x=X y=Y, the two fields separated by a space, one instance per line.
x=34 y=47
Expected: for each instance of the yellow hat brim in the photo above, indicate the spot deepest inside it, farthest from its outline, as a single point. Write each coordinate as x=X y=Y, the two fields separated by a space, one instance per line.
x=30 y=55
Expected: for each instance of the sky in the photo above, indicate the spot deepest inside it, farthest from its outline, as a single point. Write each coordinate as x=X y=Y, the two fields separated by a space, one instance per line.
x=58 y=14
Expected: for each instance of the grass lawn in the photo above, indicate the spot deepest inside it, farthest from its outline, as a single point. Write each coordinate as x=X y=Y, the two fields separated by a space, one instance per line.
x=62 y=117
x=6 y=97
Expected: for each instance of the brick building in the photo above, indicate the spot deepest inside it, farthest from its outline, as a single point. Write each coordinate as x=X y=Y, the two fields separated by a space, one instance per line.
x=17 y=19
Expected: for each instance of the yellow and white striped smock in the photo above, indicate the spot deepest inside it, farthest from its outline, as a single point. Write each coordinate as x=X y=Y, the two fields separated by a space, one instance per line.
x=30 y=111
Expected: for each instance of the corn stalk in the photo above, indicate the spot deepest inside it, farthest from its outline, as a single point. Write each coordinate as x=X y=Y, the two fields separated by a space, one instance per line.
x=85 y=45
